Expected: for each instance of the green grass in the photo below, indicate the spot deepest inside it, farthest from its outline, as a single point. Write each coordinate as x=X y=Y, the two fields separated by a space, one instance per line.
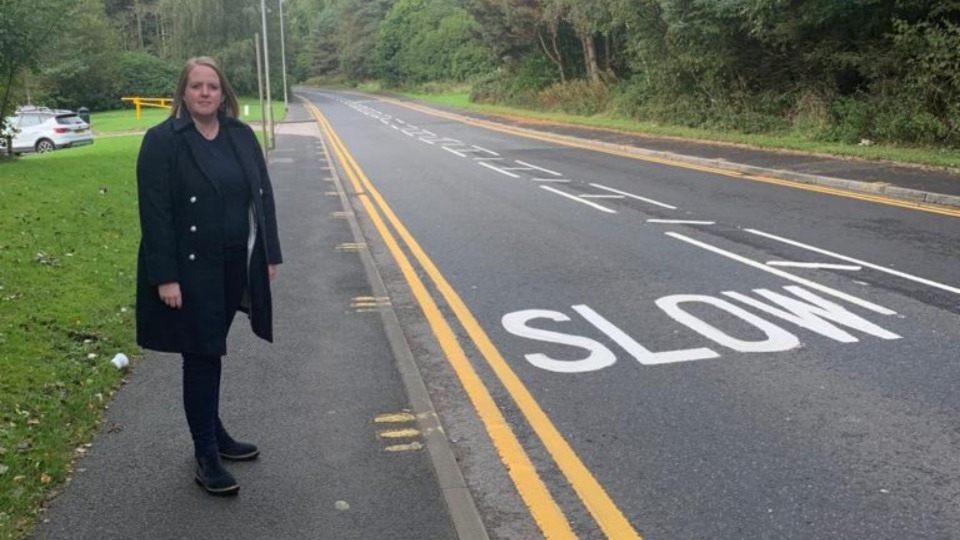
x=125 y=120
x=920 y=156
x=68 y=237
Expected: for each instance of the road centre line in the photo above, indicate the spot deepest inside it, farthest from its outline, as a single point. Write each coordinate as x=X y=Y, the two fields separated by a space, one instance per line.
x=610 y=519
x=786 y=275
x=548 y=171
x=578 y=199
x=499 y=170
x=818 y=266
x=681 y=222
x=890 y=271
x=637 y=197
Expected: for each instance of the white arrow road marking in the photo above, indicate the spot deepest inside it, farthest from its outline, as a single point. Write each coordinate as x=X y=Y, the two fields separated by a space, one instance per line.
x=856 y=261
x=499 y=170
x=786 y=275
x=632 y=196
x=548 y=171
x=578 y=199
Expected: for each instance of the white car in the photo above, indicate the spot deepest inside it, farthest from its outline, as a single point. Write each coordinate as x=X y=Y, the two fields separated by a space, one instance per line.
x=43 y=130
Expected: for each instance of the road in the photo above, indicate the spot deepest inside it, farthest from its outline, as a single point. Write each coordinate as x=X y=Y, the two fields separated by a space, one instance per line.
x=659 y=350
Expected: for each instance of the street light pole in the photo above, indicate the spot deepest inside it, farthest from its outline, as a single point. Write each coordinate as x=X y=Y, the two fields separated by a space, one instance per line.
x=263 y=110
x=283 y=60
x=266 y=70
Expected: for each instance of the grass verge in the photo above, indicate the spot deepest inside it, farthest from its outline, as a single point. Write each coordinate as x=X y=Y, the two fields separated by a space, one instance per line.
x=68 y=237
x=944 y=158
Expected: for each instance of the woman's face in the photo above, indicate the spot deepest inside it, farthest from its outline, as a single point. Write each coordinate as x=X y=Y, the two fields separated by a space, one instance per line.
x=204 y=94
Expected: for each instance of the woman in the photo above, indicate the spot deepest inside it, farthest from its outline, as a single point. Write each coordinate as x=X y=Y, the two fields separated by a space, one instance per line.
x=209 y=246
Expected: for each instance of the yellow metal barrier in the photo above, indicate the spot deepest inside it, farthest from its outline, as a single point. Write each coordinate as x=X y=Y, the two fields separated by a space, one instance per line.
x=138 y=102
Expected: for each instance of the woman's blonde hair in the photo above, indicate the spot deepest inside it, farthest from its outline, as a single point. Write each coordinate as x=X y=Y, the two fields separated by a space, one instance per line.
x=229 y=106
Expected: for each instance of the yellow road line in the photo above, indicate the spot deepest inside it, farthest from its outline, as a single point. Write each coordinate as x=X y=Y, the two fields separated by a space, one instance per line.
x=544 y=509
x=610 y=519
x=879 y=199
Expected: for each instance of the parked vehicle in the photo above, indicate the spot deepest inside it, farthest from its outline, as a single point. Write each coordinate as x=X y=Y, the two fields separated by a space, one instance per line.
x=39 y=129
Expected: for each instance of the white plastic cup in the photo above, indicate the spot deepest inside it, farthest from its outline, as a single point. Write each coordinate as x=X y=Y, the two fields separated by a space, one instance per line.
x=120 y=361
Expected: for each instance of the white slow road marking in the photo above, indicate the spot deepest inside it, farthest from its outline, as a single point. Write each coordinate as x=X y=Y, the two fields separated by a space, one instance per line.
x=632 y=196
x=452 y=151
x=681 y=222
x=499 y=170
x=786 y=275
x=428 y=141
x=548 y=171
x=857 y=261
x=819 y=266
x=579 y=200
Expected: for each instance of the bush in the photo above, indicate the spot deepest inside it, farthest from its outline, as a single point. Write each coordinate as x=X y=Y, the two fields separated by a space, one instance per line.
x=515 y=83
x=143 y=74
x=580 y=97
x=810 y=114
x=850 y=121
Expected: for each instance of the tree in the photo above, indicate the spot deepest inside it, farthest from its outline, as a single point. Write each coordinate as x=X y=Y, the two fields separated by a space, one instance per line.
x=24 y=30
x=424 y=40
x=83 y=70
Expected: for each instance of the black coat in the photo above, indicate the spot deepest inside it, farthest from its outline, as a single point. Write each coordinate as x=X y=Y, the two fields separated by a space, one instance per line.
x=181 y=225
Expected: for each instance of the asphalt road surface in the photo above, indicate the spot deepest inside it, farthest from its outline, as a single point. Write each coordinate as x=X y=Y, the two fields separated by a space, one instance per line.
x=621 y=347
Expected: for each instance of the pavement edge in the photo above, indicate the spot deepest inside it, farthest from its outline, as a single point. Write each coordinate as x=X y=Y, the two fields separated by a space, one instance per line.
x=460 y=503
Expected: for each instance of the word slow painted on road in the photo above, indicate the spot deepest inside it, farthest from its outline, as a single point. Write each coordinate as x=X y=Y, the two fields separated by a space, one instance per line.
x=804 y=309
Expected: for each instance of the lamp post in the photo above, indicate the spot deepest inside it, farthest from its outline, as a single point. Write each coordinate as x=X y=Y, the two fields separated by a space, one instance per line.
x=266 y=71
x=263 y=111
x=283 y=60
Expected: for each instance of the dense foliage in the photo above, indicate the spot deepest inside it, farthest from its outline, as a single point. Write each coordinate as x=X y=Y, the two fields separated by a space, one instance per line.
x=843 y=70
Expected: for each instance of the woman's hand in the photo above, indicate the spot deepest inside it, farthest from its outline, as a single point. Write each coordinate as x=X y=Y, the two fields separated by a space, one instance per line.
x=170 y=294
x=272 y=271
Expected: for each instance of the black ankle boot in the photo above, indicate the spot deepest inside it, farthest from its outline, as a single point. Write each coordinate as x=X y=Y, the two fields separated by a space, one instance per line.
x=212 y=477
x=232 y=450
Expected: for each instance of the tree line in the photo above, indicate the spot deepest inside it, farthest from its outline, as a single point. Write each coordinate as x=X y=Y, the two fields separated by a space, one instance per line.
x=846 y=70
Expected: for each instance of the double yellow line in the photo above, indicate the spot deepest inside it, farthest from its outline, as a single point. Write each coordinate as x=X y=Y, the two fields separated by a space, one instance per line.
x=544 y=509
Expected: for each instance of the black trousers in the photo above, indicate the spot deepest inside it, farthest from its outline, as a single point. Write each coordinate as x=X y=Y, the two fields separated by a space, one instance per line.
x=201 y=373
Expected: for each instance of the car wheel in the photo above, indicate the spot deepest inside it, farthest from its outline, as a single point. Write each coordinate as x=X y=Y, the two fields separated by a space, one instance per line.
x=45 y=145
